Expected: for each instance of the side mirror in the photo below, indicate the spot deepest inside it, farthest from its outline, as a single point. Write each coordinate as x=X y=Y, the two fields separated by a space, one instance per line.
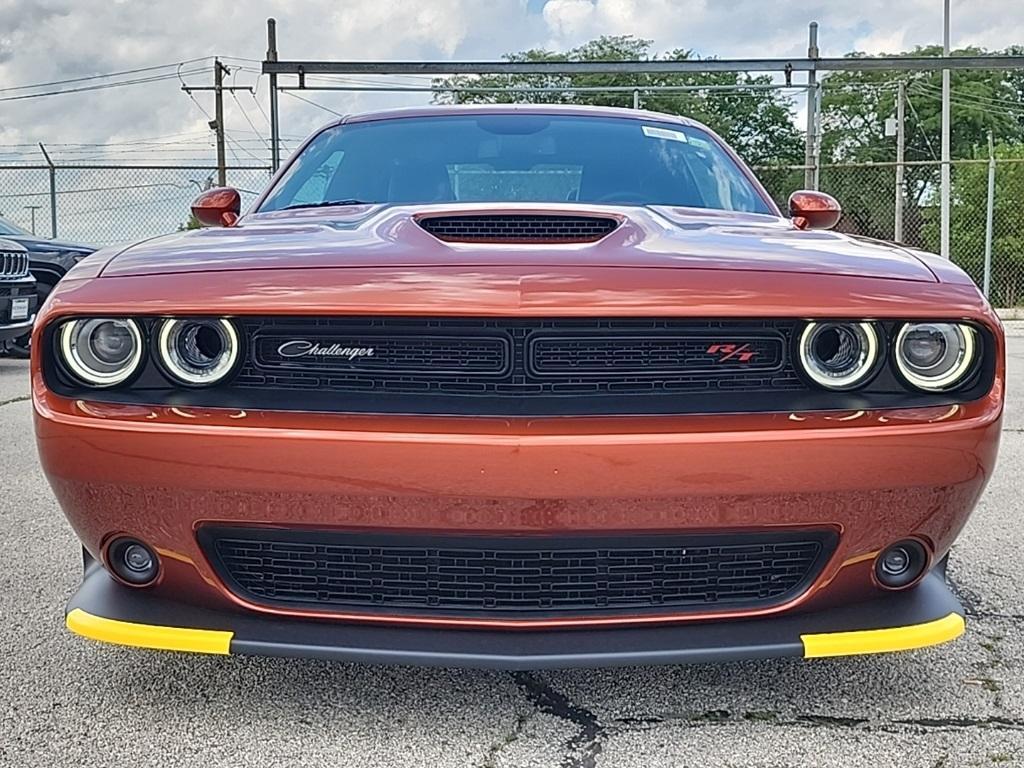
x=814 y=210
x=217 y=207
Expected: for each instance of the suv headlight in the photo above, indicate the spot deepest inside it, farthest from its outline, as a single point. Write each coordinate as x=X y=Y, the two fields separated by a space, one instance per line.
x=935 y=356
x=839 y=355
x=101 y=351
x=198 y=352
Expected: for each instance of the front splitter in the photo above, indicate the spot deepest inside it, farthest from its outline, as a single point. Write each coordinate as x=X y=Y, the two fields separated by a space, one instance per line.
x=926 y=615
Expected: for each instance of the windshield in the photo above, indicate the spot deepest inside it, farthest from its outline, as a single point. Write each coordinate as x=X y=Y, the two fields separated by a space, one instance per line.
x=516 y=158
x=7 y=228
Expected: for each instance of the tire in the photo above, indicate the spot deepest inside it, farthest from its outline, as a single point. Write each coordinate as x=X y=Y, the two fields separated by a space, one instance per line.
x=21 y=347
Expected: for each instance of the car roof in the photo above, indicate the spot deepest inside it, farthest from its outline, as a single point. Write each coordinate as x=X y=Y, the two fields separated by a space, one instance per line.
x=518 y=109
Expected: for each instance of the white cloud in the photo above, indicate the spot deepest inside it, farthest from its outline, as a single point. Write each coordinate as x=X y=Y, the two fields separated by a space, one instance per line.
x=42 y=40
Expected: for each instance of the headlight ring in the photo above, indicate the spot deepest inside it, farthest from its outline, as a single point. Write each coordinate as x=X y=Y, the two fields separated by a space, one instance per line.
x=839 y=355
x=101 y=351
x=197 y=352
x=935 y=356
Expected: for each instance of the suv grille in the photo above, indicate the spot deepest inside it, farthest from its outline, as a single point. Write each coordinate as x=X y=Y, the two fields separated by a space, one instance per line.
x=13 y=264
x=529 y=576
x=519 y=228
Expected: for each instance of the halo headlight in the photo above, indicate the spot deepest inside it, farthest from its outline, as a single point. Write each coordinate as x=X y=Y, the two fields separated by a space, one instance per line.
x=198 y=353
x=100 y=351
x=935 y=356
x=838 y=355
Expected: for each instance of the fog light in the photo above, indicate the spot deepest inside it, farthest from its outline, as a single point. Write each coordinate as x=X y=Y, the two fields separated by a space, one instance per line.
x=901 y=564
x=133 y=562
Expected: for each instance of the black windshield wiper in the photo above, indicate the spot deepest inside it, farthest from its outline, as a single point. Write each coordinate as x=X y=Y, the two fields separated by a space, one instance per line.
x=326 y=203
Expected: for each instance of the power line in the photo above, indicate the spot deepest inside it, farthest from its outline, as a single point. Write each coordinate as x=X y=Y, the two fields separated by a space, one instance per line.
x=310 y=101
x=101 y=77
x=920 y=129
x=99 y=87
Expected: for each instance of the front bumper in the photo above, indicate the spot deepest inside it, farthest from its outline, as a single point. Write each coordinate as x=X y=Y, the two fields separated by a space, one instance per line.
x=926 y=615
x=11 y=328
x=162 y=474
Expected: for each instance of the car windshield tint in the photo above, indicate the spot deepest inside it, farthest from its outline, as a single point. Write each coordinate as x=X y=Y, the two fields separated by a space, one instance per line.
x=516 y=158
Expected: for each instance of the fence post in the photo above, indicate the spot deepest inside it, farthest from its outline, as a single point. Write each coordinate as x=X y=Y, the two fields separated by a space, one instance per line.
x=989 y=215
x=275 y=122
x=901 y=136
x=53 y=194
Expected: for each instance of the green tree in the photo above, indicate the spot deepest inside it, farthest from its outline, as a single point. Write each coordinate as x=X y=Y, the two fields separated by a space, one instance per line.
x=855 y=107
x=757 y=123
x=967 y=223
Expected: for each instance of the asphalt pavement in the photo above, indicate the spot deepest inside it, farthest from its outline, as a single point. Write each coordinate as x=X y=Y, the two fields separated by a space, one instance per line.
x=68 y=701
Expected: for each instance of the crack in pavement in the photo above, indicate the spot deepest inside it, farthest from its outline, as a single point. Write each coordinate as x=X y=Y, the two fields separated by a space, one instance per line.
x=583 y=748
x=19 y=399
x=723 y=717
x=511 y=738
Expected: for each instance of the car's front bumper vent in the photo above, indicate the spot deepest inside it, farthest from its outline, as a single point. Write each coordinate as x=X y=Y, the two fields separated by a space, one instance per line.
x=518 y=228
x=526 y=576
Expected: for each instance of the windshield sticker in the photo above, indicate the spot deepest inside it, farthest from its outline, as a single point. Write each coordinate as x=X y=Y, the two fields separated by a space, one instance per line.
x=654 y=132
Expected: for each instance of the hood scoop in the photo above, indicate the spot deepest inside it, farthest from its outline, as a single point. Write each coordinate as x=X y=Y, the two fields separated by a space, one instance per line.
x=518 y=228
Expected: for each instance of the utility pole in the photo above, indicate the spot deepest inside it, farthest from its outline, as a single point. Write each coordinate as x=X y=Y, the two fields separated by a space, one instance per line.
x=275 y=122
x=945 y=179
x=901 y=137
x=217 y=124
x=33 y=209
x=811 y=139
x=219 y=71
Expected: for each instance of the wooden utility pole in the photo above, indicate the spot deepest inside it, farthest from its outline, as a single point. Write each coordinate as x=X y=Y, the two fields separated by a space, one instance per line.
x=219 y=70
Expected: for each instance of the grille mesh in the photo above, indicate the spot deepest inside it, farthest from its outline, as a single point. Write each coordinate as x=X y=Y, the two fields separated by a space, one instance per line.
x=519 y=228
x=479 y=575
x=522 y=358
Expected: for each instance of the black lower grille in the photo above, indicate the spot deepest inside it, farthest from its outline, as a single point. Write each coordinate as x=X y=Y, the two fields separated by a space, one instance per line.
x=527 y=576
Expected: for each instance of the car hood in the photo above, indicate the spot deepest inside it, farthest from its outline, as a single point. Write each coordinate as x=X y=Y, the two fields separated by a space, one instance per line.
x=389 y=236
x=45 y=245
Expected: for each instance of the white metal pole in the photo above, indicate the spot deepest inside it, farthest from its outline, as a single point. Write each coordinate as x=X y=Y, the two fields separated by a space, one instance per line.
x=901 y=114
x=990 y=207
x=946 y=184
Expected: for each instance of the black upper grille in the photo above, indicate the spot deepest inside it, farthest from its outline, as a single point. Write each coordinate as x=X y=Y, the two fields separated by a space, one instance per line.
x=519 y=228
x=509 y=366
x=530 y=576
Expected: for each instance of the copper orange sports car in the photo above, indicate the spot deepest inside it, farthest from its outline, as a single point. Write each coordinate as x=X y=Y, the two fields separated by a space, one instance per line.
x=517 y=387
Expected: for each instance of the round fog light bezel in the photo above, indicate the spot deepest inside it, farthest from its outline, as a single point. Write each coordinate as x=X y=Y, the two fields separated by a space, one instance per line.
x=915 y=558
x=126 y=558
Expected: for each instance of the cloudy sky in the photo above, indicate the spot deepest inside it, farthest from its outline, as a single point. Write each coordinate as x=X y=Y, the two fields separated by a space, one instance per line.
x=43 y=41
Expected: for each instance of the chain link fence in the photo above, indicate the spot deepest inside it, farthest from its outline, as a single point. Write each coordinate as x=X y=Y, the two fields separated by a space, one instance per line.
x=867 y=192
x=100 y=205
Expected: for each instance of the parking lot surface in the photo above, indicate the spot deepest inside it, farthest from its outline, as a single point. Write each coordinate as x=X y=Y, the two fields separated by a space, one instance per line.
x=68 y=701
